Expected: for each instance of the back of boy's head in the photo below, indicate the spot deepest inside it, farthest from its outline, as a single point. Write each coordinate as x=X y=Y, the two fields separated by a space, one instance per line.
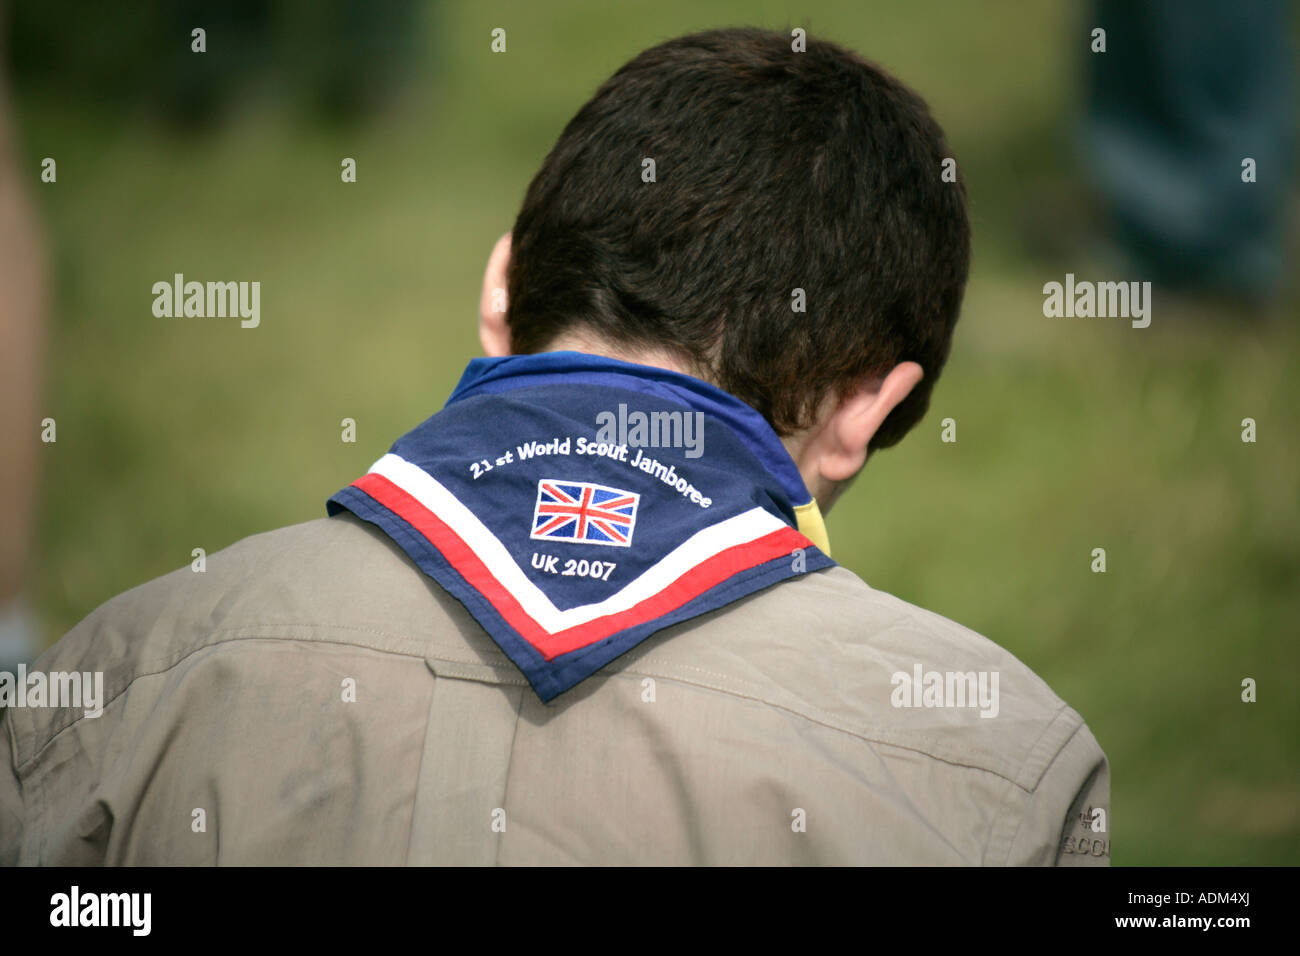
x=773 y=171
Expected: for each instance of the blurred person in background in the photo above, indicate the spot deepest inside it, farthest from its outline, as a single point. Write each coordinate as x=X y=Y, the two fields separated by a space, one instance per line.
x=22 y=334
x=333 y=59
x=1185 y=92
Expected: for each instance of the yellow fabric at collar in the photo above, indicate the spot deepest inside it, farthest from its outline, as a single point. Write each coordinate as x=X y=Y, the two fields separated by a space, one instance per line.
x=813 y=526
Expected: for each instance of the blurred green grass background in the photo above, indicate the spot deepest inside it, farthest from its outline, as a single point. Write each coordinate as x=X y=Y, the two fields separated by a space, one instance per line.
x=1072 y=433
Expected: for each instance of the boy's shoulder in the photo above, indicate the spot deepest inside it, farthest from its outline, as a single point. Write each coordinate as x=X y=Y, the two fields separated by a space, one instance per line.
x=834 y=650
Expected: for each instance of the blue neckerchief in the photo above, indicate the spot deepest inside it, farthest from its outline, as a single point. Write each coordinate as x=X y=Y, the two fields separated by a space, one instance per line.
x=577 y=504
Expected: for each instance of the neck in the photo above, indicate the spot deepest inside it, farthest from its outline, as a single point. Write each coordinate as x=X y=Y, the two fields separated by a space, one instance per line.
x=577 y=341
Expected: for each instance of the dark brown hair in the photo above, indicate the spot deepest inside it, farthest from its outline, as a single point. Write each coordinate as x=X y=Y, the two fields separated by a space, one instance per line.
x=775 y=171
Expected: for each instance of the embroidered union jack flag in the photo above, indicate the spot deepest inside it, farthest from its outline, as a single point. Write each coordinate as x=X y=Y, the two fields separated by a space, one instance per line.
x=582 y=513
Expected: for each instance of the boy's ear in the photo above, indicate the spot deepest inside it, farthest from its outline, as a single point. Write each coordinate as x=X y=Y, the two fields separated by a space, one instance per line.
x=842 y=445
x=493 y=331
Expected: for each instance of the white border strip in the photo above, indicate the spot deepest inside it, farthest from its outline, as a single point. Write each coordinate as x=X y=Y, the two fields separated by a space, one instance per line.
x=419 y=484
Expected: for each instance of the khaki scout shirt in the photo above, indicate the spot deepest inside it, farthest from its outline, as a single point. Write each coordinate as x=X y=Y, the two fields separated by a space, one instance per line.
x=312 y=698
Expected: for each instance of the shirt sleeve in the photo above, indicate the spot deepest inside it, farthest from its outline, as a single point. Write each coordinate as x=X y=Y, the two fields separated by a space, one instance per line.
x=1067 y=820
